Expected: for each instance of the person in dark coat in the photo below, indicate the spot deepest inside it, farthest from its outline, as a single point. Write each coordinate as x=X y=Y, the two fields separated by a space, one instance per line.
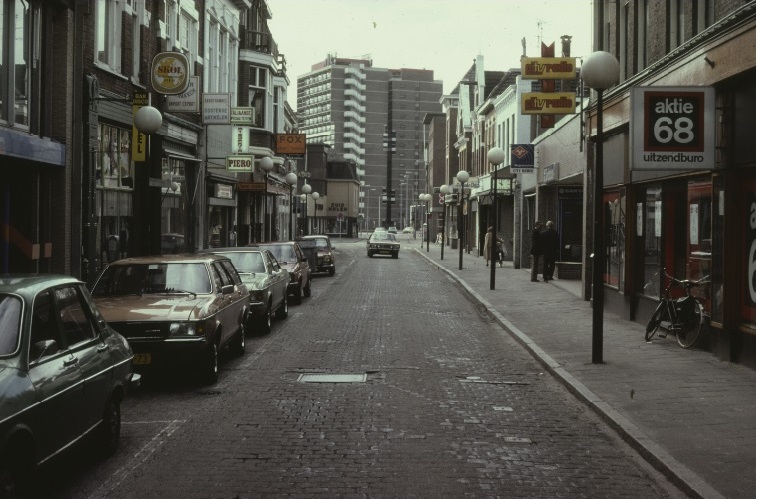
x=549 y=249
x=535 y=250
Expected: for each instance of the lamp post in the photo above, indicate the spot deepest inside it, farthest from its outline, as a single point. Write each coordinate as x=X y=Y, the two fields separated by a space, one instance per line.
x=600 y=71
x=444 y=190
x=314 y=196
x=428 y=198
x=291 y=179
x=462 y=177
x=421 y=197
x=495 y=157
x=306 y=190
x=266 y=164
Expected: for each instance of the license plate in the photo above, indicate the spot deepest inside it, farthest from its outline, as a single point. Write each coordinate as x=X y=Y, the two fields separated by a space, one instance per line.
x=141 y=359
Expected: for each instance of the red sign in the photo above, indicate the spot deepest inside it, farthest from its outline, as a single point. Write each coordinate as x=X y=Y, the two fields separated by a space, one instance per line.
x=290 y=143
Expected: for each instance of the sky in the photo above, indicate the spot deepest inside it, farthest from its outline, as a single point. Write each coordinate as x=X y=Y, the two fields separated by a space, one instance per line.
x=442 y=35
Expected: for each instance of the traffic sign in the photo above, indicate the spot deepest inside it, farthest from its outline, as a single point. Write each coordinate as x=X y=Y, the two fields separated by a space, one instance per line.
x=304 y=174
x=340 y=216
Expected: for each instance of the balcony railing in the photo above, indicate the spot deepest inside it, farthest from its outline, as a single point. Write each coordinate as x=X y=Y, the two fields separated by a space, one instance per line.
x=259 y=41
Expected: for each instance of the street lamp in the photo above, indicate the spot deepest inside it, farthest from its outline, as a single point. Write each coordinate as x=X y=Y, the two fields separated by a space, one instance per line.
x=267 y=165
x=462 y=177
x=600 y=71
x=314 y=196
x=495 y=157
x=444 y=190
x=306 y=190
x=425 y=198
x=291 y=179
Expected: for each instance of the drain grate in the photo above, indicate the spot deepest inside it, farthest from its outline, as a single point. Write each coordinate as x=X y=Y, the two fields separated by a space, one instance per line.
x=332 y=378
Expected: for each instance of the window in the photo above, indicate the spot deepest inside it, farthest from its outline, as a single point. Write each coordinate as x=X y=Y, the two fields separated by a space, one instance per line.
x=15 y=54
x=77 y=326
x=614 y=237
x=44 y=327
x=114 y=167
x=108 y=33
x=649 y=227
x=10 y=323
x=257 y=93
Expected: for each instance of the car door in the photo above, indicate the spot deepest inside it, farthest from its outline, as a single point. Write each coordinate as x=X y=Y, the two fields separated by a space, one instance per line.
x=58 y=382
x=87 y=344
x=228 y=314
x=241 y=290
x=279 y=279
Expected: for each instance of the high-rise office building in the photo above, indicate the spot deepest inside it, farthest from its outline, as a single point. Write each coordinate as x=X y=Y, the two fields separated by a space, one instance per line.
x=358 y=109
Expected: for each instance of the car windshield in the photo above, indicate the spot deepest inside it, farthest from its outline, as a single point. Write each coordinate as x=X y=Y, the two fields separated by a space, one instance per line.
x=10 y=321
x=283 y=252
x=313 y=243
x=153 y=278
x=246 y=261
x=382 y=236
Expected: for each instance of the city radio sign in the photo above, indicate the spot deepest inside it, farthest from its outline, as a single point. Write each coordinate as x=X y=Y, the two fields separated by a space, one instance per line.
x=552 y=68
x=548 y=103
x=672 y=128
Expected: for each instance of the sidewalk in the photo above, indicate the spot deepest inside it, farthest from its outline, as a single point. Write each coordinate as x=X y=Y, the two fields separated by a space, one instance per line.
x=688 y=414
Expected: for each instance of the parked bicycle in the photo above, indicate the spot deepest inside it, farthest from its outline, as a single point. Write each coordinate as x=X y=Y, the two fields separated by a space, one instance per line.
x=684 y=316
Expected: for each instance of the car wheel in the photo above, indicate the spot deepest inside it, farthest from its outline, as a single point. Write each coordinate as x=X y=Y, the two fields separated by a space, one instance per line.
x=369 y=254
x=332 y=271
x=211 y=367
x=282 y=311
x=238 y=342
x=395 y=255
x=265 y=323
x=110 y=428
x=297 y=296
x=17 y=471
x=307 y=289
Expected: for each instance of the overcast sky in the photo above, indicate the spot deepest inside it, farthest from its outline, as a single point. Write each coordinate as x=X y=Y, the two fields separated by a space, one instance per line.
x=442 y=35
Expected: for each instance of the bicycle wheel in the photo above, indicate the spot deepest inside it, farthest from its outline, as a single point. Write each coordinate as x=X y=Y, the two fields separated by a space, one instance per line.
x=654 y=323
x=690 y=331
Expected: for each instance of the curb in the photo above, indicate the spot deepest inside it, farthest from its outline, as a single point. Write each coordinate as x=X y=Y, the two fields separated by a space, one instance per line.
x=682 y=477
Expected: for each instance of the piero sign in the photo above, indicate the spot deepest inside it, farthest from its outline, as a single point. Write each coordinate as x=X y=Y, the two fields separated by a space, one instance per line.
x=672 y=128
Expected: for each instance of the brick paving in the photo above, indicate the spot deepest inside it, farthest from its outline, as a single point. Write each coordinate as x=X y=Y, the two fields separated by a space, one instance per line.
x=689 y=414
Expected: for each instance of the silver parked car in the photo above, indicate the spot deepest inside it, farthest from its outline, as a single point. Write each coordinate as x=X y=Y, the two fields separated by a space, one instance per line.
x=63 y=374
x=266 y=281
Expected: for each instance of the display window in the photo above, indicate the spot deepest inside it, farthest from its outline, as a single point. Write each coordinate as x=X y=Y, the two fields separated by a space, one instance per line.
x=614 y=238
x=114 y=167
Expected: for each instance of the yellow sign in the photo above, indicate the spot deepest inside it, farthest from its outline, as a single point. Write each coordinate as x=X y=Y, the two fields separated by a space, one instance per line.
x=139 y=140
x=548 y=68
x=548 y=103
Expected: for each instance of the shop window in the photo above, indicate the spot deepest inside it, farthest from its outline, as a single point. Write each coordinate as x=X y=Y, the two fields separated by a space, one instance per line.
x=16 y=39
x=700 y=229
x=114 y=168
x=614 y=237
x=649 y=230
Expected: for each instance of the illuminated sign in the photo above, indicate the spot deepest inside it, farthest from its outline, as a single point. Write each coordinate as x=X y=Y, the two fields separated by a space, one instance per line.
x=548 y=103
x=672 y=128
x=550 y=68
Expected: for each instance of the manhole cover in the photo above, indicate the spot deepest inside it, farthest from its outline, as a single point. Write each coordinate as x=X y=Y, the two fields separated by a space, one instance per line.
x=332 y=378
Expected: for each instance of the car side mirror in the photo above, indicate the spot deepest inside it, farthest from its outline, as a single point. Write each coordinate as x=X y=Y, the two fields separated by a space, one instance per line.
x=229 y=288
x=42 y=348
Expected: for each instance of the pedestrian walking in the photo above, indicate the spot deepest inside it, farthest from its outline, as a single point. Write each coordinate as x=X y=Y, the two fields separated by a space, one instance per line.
x=549 y=250
x=487 y=245
x=535 y=250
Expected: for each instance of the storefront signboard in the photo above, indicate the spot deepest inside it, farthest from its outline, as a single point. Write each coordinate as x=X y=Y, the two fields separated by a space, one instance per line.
x=672 y=128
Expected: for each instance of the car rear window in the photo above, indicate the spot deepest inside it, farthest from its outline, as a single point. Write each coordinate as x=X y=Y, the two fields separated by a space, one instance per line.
x=10 y=323
x=246 y=261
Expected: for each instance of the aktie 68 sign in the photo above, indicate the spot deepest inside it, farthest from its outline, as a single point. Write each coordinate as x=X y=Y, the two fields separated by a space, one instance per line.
x=673 y=128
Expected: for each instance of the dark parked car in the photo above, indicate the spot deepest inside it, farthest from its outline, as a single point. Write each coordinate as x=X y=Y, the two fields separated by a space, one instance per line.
x=176 y=309
x=383 y=243
x=319 y=251
x=291 y=257
x=63 y=374
x=266 y=281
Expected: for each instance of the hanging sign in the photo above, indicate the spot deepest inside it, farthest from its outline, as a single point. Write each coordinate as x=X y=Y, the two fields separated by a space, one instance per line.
x=522 y=158
x=240 y=163
x=216 y=109
x=170 y=72
x=187 y=101
x=548 y=103
x=551 y=68
x=672 y=128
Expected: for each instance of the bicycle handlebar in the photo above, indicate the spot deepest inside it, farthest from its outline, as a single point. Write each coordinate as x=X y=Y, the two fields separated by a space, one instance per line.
x=687 y=283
